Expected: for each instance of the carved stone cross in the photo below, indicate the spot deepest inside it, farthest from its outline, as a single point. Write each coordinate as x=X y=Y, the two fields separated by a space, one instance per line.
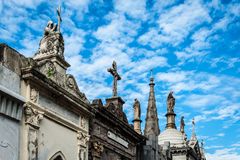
x=59 y=18
x=116 y=77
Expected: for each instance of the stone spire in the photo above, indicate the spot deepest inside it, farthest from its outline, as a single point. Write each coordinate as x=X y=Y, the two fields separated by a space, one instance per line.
x=170 y=111
x=137 y=116
x=151 y=127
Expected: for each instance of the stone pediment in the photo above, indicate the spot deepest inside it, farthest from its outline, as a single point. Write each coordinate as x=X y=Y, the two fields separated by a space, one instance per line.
x=49 y=70
x=66 y=81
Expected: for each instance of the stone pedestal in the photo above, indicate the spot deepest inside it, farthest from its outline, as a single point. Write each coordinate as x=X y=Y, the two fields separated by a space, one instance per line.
x=171 y=120
x=116 y=101
x=137 y=125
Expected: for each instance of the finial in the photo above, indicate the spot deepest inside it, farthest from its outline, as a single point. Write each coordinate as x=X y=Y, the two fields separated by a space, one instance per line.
x=151 y=77
x=151 y=73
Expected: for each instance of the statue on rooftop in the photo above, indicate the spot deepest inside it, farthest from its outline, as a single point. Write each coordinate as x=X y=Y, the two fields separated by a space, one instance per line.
x=137 y=109
x=170 y=102
x=52 y=42
x=182 y=125
x=50 y=28
x=116 y=77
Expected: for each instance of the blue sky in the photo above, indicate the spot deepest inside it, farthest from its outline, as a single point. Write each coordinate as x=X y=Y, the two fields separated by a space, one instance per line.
x=192 y=46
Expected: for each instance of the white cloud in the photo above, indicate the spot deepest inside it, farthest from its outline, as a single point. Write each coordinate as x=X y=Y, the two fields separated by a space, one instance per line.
x=221 y=134
x=223 y=154
x=24 y=3
x=146 y=64
x=189 y=81
x=74 y=42
x=227 y=111
x=206 y=36
x=29 y=44
x=1 y=6
x=214 y=147
x=202 y=101
x=180 y=20
x=236 y=144
x=160 y=5
x=119 y=29
x=81 y=5
x=172 y=76
x=175 y=24
x=134 y=8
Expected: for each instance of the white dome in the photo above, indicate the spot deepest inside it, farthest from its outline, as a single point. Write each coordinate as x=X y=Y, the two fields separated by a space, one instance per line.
x=173 y=136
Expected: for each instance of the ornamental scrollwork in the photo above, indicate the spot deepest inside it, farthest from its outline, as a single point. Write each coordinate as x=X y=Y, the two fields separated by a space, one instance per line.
x=83 y=138
x=32 y=116
x=98 y=147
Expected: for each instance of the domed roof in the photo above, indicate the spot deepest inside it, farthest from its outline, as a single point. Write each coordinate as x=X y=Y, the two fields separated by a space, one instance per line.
x=173 y=136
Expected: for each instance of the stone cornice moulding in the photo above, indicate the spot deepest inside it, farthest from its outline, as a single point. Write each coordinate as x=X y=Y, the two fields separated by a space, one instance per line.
x=11 y=104
x=54 y=88
x=46 y=71
x=12 y=94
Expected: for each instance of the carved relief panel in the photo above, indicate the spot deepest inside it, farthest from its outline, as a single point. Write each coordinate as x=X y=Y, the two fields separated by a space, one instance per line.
x=32 y=120
x=83 y=140
x=84 y=123
x=34 y=95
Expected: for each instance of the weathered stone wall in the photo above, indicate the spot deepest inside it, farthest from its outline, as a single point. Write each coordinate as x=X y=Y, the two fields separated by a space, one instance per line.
x=47 y=103
x=53 y=138
x=9 y=138
x=10 y=107
x=9 y=79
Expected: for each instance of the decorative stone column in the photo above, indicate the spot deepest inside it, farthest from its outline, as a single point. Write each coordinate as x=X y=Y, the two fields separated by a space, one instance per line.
x=83 y=140
x=32 y=119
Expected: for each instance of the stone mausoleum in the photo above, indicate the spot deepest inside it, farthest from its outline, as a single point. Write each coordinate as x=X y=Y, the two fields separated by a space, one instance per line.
x=44 y=115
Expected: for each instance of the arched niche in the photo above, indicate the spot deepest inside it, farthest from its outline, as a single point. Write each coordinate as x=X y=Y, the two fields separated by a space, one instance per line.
x=58 y=156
